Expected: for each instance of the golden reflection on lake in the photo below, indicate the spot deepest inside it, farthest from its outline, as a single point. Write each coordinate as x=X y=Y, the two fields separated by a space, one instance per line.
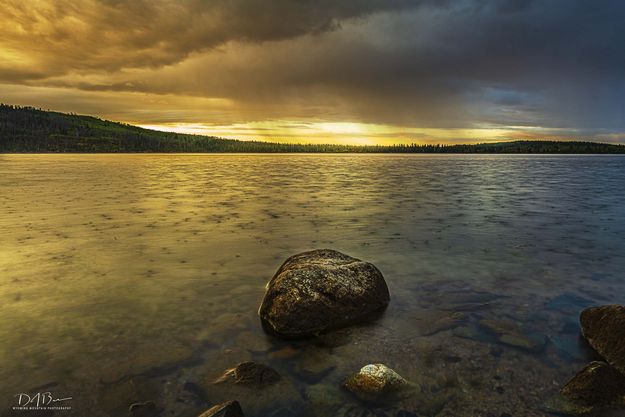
x=151 y=267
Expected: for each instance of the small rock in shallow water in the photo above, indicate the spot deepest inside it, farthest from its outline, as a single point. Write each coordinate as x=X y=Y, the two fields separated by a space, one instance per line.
x=598 y=384
x=144 y=409
x=250 y=373
x=315 y=364
x=227 y=409
x=433 y=324
x=376 y=382
x=533 y=342
x=511 y=334
x=604 y=329
x=286 y=352
x=116 y=399
x=321 y=290
x=257 y=398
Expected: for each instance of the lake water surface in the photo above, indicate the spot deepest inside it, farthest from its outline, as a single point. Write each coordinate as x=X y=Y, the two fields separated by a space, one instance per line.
x=130 y=278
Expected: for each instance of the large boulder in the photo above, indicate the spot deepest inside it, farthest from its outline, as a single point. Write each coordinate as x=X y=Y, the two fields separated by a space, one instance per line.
x=604 y=328
x=320 y=290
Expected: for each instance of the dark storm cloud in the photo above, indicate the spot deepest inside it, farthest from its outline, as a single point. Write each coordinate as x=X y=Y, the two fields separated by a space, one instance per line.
x=465 y=63
x=69 y=35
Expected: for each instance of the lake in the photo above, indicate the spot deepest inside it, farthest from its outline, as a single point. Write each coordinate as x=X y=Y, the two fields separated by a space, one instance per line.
x=132 y=278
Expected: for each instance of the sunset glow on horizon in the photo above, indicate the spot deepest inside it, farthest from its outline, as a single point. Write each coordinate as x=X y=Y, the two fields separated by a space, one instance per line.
x=347 y=72
x=284 y=131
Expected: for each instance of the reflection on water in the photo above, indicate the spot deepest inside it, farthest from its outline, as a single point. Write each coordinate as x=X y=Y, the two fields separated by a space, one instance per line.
x=128 y=278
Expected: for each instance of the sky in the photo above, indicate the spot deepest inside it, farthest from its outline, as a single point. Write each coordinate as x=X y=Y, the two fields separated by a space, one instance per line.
x=325 y=71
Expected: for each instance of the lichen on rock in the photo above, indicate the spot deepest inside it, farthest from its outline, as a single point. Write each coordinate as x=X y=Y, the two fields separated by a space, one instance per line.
x=376 y=383
x=321 y=290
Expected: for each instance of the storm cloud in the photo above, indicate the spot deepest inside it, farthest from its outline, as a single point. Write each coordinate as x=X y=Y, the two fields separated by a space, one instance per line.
x=548 y=68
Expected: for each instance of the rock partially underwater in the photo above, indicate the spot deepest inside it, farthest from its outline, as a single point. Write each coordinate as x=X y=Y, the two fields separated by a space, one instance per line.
x=250 y=373
x=377 y=383
x=599 y=385
x=321 y=290
x=226 y=409
x=604 y=329
x=260 y=390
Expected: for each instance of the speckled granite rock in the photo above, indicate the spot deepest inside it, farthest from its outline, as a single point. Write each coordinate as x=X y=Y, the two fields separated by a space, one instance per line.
x=320 y=290
x=376 y=382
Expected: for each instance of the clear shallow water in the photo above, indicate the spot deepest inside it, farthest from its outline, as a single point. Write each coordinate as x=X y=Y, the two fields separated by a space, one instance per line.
x=128 y=278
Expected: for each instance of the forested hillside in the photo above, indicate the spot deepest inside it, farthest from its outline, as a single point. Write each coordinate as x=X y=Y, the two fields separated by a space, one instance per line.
x=29 y=130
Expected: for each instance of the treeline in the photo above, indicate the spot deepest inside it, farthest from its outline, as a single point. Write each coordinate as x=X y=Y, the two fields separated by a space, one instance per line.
x=30 y=130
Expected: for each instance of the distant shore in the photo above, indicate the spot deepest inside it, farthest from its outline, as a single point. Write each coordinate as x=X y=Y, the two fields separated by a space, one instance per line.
x=29 y=130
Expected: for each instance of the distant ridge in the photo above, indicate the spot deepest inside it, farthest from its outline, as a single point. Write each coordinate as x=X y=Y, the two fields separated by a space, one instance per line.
x=30 y=130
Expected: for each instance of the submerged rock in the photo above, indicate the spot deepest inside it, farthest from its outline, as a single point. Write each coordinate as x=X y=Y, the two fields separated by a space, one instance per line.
x=511 y=334
x=604 y=328
x=435 y=323
x=143 y=409
x=250 y=373
x=287 y=352
x=320 y=290
x=314 y=365
x=598 y=384
x=376 y=382
x=560 y=405
x=259 y=389
x=130 y=396
x=227 y=409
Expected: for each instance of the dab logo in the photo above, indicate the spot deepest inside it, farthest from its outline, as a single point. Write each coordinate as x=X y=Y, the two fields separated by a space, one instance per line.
x=41 y=401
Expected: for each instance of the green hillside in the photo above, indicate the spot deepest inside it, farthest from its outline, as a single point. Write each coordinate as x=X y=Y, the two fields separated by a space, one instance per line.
x=29 y=130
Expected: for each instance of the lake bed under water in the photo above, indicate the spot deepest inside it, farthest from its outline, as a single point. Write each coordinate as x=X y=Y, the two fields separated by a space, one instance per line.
x=130 y=278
